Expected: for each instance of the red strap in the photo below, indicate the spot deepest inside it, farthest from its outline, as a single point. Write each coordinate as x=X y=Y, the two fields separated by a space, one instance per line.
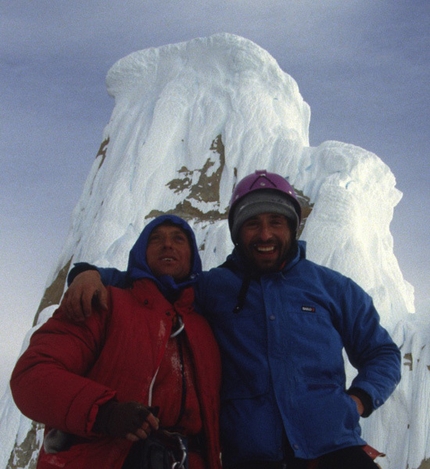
x=313 y=464
x=372 y=452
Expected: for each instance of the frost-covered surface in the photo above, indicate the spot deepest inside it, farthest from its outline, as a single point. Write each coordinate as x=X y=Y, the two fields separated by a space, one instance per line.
x=191 y=119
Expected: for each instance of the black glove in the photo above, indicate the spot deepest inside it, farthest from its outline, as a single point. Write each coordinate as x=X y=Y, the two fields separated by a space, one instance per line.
x=119 y=418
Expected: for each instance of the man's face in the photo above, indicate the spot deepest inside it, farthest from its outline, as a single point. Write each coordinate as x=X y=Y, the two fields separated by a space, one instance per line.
x=168 y=252
x=266 y=240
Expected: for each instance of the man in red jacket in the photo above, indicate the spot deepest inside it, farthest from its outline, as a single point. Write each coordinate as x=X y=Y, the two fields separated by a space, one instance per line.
x=94 y=384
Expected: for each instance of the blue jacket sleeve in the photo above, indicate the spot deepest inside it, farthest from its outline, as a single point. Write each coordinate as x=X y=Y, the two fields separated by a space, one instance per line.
x=109 y=275
x=369 y=347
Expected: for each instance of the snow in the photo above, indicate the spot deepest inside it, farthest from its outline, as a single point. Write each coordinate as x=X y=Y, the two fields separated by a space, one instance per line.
x=171 y=104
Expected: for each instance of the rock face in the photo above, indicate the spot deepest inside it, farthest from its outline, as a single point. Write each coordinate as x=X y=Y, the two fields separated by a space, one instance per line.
x=191 y=119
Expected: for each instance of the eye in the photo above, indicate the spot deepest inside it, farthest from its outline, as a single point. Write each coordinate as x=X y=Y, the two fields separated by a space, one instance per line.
x=278 y=221
x=154 y=238
x=251 y=223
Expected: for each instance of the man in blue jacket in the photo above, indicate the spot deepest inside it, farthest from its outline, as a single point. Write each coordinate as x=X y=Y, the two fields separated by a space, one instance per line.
x=282 y=323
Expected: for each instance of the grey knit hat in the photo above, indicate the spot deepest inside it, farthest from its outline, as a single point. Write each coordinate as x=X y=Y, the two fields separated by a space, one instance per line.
x=258 y=202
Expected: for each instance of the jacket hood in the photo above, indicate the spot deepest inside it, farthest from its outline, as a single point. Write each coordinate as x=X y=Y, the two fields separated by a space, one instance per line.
x=138 y=267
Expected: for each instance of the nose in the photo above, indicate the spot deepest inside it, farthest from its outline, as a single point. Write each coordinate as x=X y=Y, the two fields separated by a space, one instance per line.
x=265 y=232
x=167 y=242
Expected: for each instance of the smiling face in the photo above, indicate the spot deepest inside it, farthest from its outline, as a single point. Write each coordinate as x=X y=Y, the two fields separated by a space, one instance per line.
x=168 y=252
x=266 y=240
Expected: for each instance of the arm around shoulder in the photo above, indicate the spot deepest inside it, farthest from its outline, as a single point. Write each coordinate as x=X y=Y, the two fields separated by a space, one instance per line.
x=85 y=291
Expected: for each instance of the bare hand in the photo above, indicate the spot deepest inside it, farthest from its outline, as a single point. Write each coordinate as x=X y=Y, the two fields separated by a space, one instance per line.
x=151 y=423
x=360 y=406
x=85 y=292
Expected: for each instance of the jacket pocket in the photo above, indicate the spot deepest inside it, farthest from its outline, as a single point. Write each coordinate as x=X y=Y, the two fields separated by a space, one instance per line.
x=324 y=414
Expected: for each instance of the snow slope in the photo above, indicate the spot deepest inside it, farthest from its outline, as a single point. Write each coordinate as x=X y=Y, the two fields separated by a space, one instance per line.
x=189 y=120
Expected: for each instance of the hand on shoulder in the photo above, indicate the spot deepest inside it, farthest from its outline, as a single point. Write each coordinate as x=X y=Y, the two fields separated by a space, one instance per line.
x=84 y=293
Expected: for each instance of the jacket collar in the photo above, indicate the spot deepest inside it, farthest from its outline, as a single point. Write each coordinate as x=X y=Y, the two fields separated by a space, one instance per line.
x=146 y=291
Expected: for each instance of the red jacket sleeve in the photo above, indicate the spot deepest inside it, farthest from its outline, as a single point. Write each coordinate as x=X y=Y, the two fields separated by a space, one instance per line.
x=48 y=382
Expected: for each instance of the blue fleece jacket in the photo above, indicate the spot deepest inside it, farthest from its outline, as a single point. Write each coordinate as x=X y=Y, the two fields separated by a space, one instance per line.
x=282 y=358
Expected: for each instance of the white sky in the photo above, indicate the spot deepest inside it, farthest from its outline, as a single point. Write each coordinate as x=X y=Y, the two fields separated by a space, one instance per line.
x=362 y=66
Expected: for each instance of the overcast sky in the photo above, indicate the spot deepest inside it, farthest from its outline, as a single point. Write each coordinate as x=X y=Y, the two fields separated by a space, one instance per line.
x=362 y=65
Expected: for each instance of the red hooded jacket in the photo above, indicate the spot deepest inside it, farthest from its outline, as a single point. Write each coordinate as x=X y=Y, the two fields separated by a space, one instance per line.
x=69 y=369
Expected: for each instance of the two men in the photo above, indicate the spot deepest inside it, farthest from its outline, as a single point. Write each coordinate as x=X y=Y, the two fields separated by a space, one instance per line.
x=95 y=384
x=281 y=323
